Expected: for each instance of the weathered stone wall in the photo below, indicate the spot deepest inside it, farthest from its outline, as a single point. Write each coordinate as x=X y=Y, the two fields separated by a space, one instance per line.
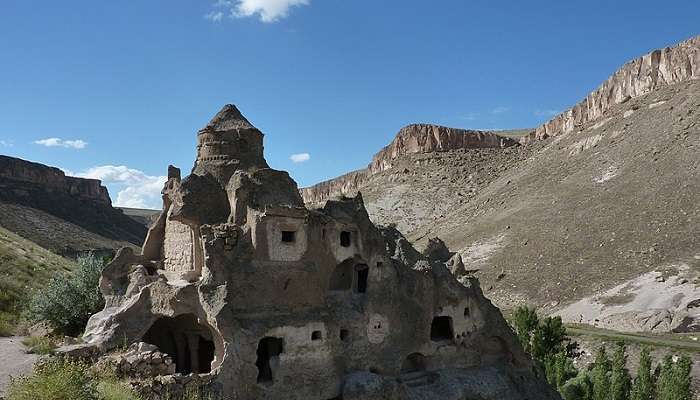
x=178 y=247
x=636 y=78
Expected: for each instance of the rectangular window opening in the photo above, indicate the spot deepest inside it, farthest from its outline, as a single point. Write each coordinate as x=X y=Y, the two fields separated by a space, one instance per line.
x=288 y=236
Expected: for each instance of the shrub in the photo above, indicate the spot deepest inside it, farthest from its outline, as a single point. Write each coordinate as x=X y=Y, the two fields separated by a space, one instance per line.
x=110 y=389
x=69 y=300
x=578 y=388
x=39 y=345
x=55 y=379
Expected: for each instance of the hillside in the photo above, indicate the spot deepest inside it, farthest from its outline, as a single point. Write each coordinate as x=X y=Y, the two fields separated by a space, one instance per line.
x=64 y=214
x=598 y=197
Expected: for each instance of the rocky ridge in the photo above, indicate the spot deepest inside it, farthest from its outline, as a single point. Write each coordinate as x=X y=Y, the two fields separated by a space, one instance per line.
x=84 y=204
x=411 y=139
x=662 y=67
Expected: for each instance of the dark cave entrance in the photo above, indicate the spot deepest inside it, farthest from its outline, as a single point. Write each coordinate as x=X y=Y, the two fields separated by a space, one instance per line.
x=414 y=362
x=441 y=329
x=185 y=340
x=362 y=275
x=269 y=349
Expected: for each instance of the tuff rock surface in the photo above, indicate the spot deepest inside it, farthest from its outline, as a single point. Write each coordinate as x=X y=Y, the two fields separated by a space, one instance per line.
x=259 y=297
x=662 y=67
x=411 y=139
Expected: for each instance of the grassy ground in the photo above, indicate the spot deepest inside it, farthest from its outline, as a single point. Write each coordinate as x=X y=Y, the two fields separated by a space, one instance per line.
x=678 y=342
x=24 y=266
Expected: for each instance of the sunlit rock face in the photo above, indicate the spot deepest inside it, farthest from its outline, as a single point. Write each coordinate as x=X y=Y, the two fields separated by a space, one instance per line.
x=662 y=67
x=240 y=283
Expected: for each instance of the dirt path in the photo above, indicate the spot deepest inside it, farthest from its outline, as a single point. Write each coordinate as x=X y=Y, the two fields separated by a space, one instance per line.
x=14 y=360
x=648 y=339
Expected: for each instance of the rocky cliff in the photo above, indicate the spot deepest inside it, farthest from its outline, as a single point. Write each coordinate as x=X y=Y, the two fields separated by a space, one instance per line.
x=411 y=139
x=638 y=77
x=82 y=202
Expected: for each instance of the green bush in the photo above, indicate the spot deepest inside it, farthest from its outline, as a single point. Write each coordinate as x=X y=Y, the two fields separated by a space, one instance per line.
x=55 y=379
x=69 y=300
x=114 y=390
x=39 y=344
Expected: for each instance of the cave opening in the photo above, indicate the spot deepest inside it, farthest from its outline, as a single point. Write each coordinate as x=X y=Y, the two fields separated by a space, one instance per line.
x=414 y=362
x=269 y=349
x=441 y=329
x=362 y=275
x=188 y=343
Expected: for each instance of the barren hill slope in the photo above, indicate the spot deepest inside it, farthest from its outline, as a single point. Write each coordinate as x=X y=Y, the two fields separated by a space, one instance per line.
x=598 y=197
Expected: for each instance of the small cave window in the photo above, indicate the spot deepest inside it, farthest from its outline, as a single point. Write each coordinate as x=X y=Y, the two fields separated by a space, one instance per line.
x=288 y=236
x=269 y=349
x=362 y=274
x=188 y=343
x=380 y=264
x=344 y=335
x=345 y=239
x=441 y=329
x=415 y=362
x=316 y=335
x=467 y=312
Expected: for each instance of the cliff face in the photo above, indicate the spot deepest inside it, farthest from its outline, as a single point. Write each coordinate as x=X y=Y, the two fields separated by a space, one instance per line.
x=412 y=139
x=424 y=138
x=657 y=69
x=15 y=172
x=83 y=202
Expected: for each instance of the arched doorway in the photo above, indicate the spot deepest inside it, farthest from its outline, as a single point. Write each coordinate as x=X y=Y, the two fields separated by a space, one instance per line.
x=189 y=343
x=414 y=362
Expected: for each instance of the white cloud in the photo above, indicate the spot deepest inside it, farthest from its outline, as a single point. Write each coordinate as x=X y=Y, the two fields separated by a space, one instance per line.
x=58 y=142
x=6 y=143
x=215 y=16
x=500 y=110
x=136 y=189
x=267 y=10
x=546 y=113
x=300 y=158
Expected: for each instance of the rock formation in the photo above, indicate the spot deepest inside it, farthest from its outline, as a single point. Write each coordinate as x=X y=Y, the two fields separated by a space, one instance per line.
x=83 y=202
x=241 y=284
x=657 y=69
x=411 y=139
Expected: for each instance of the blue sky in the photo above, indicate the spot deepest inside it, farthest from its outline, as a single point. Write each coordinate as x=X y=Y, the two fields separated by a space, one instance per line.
x=117 y=90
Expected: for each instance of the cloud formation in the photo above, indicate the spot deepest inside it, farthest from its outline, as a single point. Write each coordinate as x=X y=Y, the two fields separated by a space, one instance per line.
x=300 y=158
x=267 y=10
x=215 y=16
x=58 y=142
x=6 y=143
x=136 y=189
x=500 y=110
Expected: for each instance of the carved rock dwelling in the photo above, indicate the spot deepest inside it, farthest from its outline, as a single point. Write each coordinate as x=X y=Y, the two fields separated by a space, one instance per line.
x=239 y=283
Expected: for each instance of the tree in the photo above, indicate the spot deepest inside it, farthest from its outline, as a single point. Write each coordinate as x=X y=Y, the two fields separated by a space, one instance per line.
x=674 y=379
x=619 y=378
x=643 y=386
x=526 y=321
x=599 y=376
x=549 y=338
x=578 y=388
x=69 y=300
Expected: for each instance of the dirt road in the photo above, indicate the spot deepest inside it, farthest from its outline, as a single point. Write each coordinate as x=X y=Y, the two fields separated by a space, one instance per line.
x=15 y=361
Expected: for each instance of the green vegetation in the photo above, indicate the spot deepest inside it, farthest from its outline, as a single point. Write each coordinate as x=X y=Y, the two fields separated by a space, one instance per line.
x=65 y=379
x=39 y=344
x=55 y=379
x=605 y=379
x=24 y=266
x=68 y=301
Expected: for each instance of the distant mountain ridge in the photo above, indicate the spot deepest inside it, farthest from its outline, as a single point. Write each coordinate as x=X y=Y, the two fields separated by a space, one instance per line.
x=411 y=139
x=83 y=203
